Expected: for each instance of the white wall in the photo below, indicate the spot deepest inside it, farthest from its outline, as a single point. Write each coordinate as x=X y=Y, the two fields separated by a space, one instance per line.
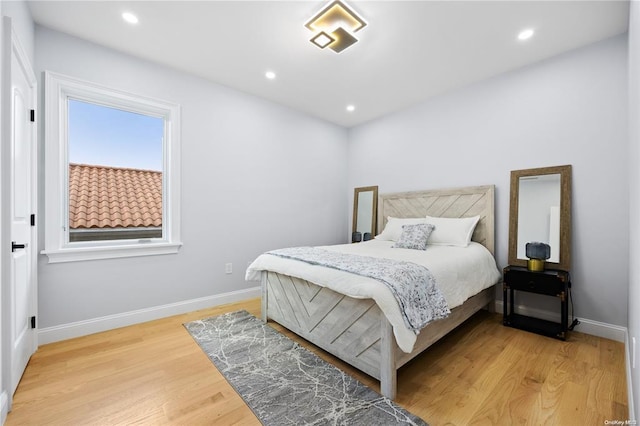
x=570 y=109
x=255 y=176
x=634 y=193
x=22 y=23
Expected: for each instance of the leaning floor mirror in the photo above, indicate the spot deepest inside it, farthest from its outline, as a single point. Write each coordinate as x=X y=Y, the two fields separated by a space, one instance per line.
x=540 y=214
x=365 y=208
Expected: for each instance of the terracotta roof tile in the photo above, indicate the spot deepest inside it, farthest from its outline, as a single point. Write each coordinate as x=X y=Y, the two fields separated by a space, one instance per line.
x=110 y=197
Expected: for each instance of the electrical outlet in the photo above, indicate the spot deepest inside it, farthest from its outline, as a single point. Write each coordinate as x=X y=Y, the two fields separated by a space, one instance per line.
x=228 y=268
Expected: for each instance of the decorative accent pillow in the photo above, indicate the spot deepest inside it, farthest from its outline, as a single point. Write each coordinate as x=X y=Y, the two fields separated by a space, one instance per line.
x=452 y=231
x=414 y=236
x=393 y=228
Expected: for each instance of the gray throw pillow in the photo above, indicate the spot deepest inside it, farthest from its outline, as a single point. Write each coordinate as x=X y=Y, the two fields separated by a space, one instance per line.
x=414 y=236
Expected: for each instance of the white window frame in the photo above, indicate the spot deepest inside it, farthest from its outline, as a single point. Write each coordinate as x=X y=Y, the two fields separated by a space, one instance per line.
x=58 y=89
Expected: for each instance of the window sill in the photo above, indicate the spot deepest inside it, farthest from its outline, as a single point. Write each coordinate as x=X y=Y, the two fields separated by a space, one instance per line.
x=78 y=254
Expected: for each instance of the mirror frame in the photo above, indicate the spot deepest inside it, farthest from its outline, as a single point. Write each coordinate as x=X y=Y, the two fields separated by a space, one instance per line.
x=374 y=209
x=564 y=263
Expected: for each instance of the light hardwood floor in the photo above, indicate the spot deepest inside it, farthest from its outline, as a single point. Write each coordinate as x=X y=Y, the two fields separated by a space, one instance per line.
x=481 y=373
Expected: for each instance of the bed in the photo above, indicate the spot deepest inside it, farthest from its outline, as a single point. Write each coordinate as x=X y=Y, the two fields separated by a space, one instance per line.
x=364 y=331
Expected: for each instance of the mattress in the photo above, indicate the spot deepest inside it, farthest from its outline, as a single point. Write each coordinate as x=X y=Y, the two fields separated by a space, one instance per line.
x=460 y=272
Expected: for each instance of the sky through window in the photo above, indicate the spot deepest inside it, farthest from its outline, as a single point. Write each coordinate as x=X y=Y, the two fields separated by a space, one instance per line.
x=105 y=136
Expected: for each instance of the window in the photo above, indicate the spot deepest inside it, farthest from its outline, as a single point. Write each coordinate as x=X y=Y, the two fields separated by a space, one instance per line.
x=112 y=172
x=115 y=173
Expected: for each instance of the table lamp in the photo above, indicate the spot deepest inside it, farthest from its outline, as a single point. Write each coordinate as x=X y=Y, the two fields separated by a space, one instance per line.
x=537 y=253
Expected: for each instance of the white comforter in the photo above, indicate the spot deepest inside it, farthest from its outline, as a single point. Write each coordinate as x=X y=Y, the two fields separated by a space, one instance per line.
x=460 y=272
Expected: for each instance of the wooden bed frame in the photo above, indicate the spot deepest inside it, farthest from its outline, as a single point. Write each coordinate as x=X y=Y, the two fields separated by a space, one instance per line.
x=355 y=330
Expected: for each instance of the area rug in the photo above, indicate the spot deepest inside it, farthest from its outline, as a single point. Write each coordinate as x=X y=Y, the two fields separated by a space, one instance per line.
x=284 y=383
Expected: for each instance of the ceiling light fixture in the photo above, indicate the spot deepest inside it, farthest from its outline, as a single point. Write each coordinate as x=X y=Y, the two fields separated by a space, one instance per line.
x=270 y=75
x=333 y=26
x=351 y=108
x=525 y=34
x=322 y=40
x=130 y=17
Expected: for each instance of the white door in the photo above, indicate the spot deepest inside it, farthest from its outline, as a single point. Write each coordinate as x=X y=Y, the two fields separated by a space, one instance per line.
x=20 y=306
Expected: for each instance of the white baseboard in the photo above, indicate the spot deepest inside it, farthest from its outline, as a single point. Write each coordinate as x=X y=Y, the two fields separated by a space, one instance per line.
x=96 y=325
x=4 y=407
x=587 y=326
x=602 y=329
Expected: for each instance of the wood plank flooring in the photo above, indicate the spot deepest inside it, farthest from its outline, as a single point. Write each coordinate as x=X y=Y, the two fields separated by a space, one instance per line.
x=481 y=373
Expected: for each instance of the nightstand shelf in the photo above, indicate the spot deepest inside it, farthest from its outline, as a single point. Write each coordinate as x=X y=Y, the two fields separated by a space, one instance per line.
x=536 y=325
x=548 y=283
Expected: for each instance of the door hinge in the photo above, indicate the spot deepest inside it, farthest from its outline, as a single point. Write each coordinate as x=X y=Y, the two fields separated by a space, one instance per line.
x=33 y=322
x=33 y=220
x=33 y=115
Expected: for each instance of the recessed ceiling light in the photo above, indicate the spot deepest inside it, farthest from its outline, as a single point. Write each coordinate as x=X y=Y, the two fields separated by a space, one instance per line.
x=130 y=17
x=525 y=34
x=351 y=108
x=270 y=75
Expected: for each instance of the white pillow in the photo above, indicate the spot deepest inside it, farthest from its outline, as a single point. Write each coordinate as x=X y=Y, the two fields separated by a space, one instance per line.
x=393 y=228
x=452 y=231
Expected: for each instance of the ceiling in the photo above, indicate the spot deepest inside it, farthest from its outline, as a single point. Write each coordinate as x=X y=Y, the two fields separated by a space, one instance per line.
x=408 y=52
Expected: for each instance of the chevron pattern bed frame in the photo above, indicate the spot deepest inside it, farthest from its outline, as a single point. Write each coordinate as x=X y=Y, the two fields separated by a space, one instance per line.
x=355 y=330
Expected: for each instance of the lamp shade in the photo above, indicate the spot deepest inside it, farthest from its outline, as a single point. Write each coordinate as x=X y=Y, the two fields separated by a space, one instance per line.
x=537 y=250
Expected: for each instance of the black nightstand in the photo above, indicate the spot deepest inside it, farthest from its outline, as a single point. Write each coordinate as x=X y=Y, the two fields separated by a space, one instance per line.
x=549 y=283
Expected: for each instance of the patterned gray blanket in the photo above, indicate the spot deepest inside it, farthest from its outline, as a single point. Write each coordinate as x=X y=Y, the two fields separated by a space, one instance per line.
x=412 y=285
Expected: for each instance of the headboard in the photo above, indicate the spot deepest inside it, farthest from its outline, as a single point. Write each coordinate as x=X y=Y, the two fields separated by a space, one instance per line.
x=456 y=202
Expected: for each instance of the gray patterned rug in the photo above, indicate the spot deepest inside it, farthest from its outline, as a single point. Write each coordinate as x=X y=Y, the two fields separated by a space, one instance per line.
x=284 y=383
